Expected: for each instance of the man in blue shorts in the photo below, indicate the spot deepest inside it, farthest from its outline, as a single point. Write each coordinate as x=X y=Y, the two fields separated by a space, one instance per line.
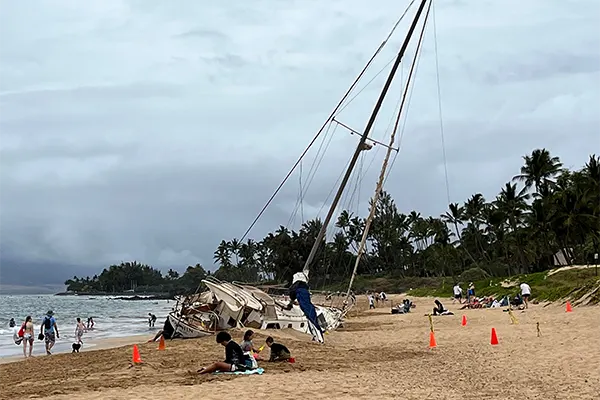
x=49 y=330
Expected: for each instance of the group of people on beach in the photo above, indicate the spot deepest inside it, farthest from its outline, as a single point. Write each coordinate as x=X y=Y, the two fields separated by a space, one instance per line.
x=48 y=333
x=376 y=298
x=245 y=357
x=474 y=302
x=26 y=333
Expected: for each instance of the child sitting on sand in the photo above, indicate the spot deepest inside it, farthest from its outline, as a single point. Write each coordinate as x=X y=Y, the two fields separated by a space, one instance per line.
x=235 y=359
x=278 y=351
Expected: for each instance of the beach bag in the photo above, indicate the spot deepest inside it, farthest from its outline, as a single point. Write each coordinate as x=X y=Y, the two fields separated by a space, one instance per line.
x=250 y=362
x=21 y=332
x=18 y=339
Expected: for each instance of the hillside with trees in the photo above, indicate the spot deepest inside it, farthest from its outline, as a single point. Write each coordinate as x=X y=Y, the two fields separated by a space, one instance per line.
x=138 y=278
x=542 y=211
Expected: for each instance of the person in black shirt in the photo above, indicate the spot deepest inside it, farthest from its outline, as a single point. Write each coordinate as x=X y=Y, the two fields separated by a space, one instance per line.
x=439 y=309
x=278 y=351
x=234 y=356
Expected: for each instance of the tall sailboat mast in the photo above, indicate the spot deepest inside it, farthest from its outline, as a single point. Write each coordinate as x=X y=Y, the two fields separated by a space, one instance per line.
x=363 y=138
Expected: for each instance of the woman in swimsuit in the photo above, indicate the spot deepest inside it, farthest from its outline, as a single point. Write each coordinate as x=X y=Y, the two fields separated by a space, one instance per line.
x=28 y=336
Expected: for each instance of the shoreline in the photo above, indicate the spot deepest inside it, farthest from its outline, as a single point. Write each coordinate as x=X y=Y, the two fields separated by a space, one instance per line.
x=95 y=345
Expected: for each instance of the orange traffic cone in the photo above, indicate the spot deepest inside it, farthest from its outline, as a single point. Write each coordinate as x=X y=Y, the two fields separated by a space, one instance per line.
x=161 y=344
x=494 y=340
x=569 y=308
x=136 y=355
x=464 y=320
x=432 y=343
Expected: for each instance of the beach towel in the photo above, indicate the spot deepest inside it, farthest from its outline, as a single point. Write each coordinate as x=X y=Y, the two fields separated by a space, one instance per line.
x=257 y=371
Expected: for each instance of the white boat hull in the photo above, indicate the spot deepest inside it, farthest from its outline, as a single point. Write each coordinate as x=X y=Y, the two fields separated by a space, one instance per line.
x=184 y=330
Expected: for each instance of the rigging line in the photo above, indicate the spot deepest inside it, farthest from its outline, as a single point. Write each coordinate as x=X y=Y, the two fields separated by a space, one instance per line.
x=314 y=172
x=333 y=113
x=390 y=124
x=312 y=177
x=380 y=48
x=439 y=93
x=382 y=174
x=314 y=167
x=409 y=84
x=318 y=154
x=348 y=199
x=363 y=173
x=301 y=195
x=294 y=213
x=334 y=186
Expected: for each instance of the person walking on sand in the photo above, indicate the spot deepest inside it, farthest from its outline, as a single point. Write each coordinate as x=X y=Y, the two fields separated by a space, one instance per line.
x=28 y=336
x=79 y=329
x=49 y=330
x=371 y=302
x=525 y=293
x=457 y=293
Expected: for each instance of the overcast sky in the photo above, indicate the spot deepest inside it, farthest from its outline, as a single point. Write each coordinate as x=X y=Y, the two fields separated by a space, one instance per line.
x=151 y=130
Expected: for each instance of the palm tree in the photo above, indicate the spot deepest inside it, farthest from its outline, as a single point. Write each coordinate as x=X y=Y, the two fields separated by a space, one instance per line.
x=539 y=170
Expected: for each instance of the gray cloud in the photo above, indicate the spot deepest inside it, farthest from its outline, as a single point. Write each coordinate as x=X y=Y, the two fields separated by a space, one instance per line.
x=149 y=130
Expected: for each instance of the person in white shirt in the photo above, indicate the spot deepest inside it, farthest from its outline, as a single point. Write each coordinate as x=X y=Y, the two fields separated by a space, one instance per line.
x=457 y=294
x=525 y=293
x=371 y=302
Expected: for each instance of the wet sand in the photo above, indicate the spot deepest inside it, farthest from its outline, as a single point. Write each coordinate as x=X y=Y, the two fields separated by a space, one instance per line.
x=92 y=345
x=376 y=355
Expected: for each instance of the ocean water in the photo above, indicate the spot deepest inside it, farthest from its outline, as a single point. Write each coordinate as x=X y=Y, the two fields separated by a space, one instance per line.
x=112 y=318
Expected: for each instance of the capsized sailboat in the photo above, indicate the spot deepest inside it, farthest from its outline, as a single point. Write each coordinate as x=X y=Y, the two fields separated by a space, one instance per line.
x=230 y=305
x=362 y=145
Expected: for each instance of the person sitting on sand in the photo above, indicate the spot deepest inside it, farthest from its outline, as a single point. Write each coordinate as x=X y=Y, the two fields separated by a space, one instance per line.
x=247 y=345
x=439 y=309
x=167 y=332
x=235 y=360
x=278 y=351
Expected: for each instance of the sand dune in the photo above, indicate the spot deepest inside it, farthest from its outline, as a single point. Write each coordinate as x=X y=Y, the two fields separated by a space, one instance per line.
x=377 y=355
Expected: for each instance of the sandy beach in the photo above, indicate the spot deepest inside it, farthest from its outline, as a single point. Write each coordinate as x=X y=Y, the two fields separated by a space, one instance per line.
x=376 y=355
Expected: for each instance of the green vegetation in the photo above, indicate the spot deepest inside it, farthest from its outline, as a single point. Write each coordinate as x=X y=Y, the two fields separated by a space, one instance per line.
x=573 y=284
x=542 y=211
x=139 y=278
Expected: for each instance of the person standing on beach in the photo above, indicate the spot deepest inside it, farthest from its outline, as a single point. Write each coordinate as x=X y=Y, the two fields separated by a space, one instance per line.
x=90 y=323
x=470 y=293
x=457 y=294
x=49 y=330
x=151 y=320
x=28 y=336
x=525 y=293
x=371 y=302
x=79 y=329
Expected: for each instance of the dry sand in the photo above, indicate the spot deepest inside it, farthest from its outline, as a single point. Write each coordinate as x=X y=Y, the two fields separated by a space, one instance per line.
x=377 y=355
